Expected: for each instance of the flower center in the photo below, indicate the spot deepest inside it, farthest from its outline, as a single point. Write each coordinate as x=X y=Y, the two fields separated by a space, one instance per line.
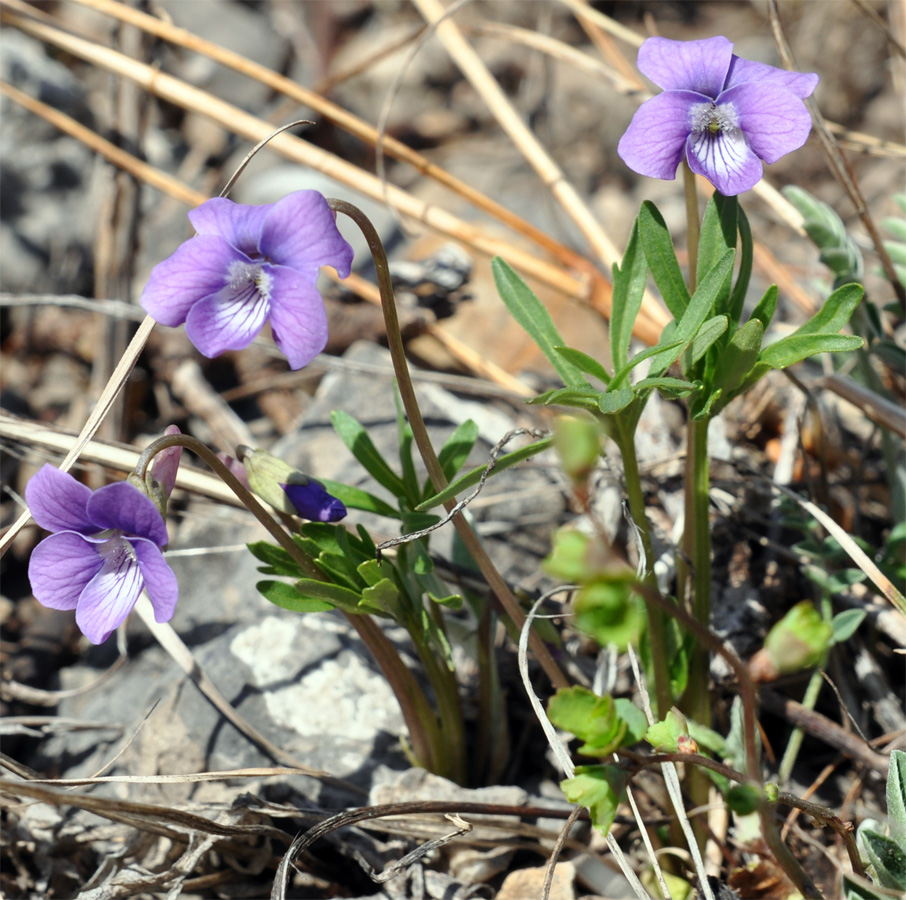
x=713 y=118
x=245 y=278
x=116 y=551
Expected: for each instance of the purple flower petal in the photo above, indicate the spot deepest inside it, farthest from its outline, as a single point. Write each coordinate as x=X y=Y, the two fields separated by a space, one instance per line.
x=232 y=318
x=313 y=502
x=197 y=269
x=655 y=141
x=110 y=596
x=742 y=71
x=60 y=568
x=58 y=502
x=775 y=121
x=238 y=224
x=160 y=582
x=300 y=231
x=298 y=317
x=725 y=159
x=687 y=65
x=125 y=508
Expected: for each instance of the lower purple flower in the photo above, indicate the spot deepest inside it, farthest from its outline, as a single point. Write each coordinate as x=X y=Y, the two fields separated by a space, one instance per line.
x=104 y=551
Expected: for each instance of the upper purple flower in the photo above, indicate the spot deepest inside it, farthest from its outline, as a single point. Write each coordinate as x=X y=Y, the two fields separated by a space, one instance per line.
x=725 y=114
x=105 y=549
x=248 y=264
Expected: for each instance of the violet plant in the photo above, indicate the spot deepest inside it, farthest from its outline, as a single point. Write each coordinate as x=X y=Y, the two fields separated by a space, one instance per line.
x=721 y=117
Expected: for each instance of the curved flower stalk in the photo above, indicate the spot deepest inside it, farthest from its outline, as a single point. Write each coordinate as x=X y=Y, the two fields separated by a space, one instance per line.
x=105 y=549
x=249 y=265
x=723 y=114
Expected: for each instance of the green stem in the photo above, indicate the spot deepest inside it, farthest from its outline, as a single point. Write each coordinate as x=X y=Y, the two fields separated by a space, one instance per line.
x=417 y=712
x=795 y=742
x=695 y=573
x=656 y=622
x=423 y=442
x=693 y=224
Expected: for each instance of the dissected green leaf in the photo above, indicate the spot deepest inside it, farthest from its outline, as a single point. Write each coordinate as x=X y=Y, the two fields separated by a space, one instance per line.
x=535 y=320
x=276 y=560
x=766 y=307
x=706 y=336
x=613 y=401
x=795 y=348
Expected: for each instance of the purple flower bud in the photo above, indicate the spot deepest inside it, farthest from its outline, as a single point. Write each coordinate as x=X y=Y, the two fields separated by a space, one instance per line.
x=246 y=266
x=313 y=502
x=105 y=550
x=165 y=465
x=724 y=114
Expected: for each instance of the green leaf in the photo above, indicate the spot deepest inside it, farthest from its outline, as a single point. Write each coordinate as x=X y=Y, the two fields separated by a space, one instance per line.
x=665 y=736
x=382 y=596
x=277 y=561
x=356 y=498
x=600 y=789
x=470 y=479
x=888 y=858
x=584 y=397
x=706 y=336
x=613 y=401
x=662 y=347
x=853 y=890
x=718 y=234
x=609 y=611
x=601 y=722
x=766 y=307
x=896 y=796
x=362 y=448
x=456 y=449
x=404 y=449
x=697 y=311
x=835 y=313
x=845 y=624
x=746 y=257
x=795 y=348
x=628 y=290
x=735 y=362
x=585 y=363
x=674 y=387
x=287 y=597
x=342 y=598
x=535 y=320
x=661 y=257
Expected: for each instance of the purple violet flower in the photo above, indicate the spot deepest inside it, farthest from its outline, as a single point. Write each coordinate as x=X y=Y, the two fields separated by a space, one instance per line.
x=104 y=550
x=248 y=265
x=724 y=114
x=312 y=502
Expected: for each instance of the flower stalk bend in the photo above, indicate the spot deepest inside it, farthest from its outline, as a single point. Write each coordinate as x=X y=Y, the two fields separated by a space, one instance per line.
x=423 y=441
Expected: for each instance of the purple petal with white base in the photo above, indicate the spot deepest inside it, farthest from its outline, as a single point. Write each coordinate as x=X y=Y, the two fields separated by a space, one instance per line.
x=655 y=142
x=100 y=569
x=725 y=114
x=110 y=596
x=60 y=568
x=198 y=269
x=228 y=281
x=299 y=324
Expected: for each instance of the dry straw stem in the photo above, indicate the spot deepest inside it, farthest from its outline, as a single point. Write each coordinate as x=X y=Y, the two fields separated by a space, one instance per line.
x=512 y=123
